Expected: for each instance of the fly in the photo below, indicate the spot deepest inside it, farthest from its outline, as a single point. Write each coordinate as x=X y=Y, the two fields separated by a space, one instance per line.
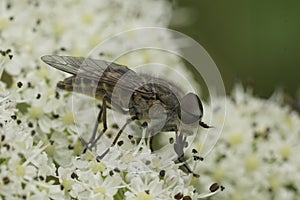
x=152 y=101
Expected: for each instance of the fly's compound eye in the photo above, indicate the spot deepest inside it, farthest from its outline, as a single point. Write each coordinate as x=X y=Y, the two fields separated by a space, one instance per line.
x=191 y=109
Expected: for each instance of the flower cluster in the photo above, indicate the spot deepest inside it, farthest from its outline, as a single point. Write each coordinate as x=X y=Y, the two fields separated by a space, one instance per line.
x=40 y=149
x=256 y=156
x=41 y=154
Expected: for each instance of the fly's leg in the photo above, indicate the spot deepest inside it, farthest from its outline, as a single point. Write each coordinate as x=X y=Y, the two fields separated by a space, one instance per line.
x=93 y=140
x=179 y=145
x=115 y=140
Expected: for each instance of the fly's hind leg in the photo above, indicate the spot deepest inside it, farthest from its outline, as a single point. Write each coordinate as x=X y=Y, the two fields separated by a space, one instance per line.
x=101 y=115
x=179 y=146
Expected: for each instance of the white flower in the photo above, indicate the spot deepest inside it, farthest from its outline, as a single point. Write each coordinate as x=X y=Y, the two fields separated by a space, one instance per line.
x=44 y=128
x=256 y=156
x=41 y=154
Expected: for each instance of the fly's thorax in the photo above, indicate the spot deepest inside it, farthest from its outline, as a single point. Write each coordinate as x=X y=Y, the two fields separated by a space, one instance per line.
x=159 y=109
x=162 y=100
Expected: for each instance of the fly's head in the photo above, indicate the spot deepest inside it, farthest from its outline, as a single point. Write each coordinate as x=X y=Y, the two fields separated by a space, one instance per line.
x=191 y=111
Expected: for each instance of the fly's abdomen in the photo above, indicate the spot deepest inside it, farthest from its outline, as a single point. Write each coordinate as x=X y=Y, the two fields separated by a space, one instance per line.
x=82 y=86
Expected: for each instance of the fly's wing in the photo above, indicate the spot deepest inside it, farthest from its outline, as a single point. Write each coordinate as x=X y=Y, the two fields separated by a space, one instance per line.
x=97 y=70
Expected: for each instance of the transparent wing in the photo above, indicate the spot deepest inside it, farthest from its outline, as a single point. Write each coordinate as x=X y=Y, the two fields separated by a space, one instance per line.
x=98 y=70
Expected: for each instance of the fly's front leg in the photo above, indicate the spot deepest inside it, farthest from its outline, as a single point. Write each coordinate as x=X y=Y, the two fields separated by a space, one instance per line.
x=179 y=146
x=101 y=115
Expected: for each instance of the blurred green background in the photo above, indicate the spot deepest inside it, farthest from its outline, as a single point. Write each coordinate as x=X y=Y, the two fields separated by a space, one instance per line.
x=252 y=41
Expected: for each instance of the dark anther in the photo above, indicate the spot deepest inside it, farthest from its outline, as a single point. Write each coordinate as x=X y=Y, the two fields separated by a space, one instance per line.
x=194 y=151
x=19 y=84
x=117 y=170
x=171 y=140
x=222 y=188
x=187 y=198
x=55 y=116
x=38 y=96
x=6 y=180
x=7 y=146
x=14 y=117
x=8 y=6
x=32 y=133
x=111 y=173
x=120 y=143
x=74 y=175
x=115 y=126
x=38 y=21
x=2 y=53
x=178 y=196
x=198 y=158
x=214 y=187
x=145 y=125
x=56 y=95
x=130 y=137
x=162 y=173
x=147 y=162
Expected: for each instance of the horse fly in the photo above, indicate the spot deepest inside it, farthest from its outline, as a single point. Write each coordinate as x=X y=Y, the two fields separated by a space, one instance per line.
x=157 y=104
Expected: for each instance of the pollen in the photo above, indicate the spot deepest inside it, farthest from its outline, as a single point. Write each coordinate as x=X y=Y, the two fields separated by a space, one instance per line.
x=50 y=93
x=144 y=196
x=235 y=139
x=20 y=170
x=78 y=148
x=3 y=23
x=100 y=190
x=67 y=184
x=219 y=174
x=78 y=53
x=95 y=40
x=285 y=151
x=127 y=158
x=198 y=147
x=252 y=163
x=42 y=73
x=58 y=29
x=36 y=112
x=237 y=196
x=98 y=167
x=89 y=156
x=87 y=18
x=275 y=183
x=69 y=118
x=50 y=150
x=288 y=120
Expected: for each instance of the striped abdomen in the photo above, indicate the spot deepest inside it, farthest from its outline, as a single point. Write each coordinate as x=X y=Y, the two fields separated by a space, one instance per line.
x=84 y=86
